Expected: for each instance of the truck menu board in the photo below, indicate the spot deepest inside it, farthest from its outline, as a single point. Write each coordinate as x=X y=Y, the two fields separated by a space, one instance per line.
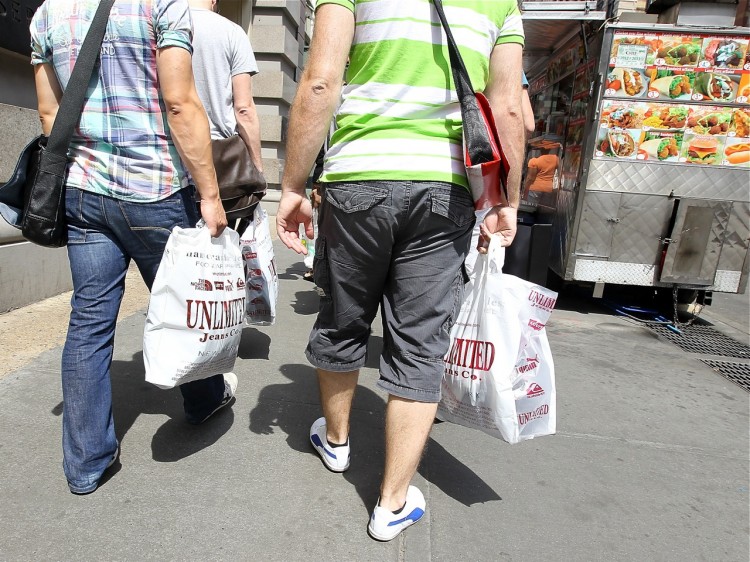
x=677 y=98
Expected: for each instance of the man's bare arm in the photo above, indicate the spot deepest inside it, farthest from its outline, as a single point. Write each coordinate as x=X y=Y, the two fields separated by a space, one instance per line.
x=248 y=124
x=504 y=95
x=318 y=94
x=317 y=97
x=188 y=125
x=48 y=93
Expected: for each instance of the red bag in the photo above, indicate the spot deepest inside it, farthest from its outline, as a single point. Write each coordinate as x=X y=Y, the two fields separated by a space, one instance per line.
x=488 y=179
x=486 y=165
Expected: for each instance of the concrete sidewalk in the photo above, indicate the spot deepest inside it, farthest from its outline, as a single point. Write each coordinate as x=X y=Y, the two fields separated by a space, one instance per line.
x=650 y=463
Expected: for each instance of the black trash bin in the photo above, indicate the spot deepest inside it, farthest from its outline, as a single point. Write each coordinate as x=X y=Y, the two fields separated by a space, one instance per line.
x=528 y=256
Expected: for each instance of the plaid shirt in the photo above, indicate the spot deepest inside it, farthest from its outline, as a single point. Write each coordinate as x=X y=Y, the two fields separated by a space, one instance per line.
x=122 y=146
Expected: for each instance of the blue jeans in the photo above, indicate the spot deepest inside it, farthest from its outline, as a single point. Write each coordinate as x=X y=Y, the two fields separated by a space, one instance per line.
x=104 y=234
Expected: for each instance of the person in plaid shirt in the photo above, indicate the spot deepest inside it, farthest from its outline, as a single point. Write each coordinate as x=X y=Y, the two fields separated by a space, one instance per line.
x=141 y=145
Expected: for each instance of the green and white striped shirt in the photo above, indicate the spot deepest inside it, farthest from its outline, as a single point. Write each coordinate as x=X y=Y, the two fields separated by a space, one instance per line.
x=400 y=118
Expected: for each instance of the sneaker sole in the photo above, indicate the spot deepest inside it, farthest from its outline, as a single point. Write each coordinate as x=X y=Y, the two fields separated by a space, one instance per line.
x=379 y=538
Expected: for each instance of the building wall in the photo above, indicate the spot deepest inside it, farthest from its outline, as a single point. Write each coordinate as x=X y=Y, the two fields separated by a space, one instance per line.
x=279 y=32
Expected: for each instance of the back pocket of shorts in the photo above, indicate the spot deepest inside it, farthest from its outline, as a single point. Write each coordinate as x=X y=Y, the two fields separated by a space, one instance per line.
x=354 y=197
x=453 y=203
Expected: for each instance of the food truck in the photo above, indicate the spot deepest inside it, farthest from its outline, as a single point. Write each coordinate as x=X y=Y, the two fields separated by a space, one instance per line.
x=652 y=128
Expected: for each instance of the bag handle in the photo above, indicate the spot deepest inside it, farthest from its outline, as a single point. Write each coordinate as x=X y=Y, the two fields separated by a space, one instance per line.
x=71 y=104
x=475 y=133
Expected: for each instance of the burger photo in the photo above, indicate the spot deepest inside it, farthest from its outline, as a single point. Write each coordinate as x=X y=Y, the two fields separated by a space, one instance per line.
x=703 y=150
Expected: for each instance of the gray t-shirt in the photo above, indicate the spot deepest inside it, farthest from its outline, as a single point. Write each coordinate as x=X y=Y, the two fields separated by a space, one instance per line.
x=221 y=50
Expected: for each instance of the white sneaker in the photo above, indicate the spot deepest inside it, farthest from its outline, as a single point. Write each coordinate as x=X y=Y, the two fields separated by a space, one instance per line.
x=335 y=459
x=385 y=525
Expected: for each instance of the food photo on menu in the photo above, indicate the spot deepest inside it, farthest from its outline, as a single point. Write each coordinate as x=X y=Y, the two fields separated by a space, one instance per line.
x=617 y=143
x=709 y=120
x=724 y=52
x=678 y=50
x=660 y=146
x=664 y=116
x=737 y=152
x=629 y=82
x=669 y=84
x=623 y=115
x=743 y=91
x=705 y=150
x=714 y=86
x=739 y=126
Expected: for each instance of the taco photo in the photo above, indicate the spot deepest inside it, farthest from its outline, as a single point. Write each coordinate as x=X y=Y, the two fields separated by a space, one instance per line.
x=725 y=53
x=666 y=84
x=664 y=116
x=737 y=152
x=679 y=51
x=716 y=87
x=616 y=142
x=659 y=147
x=710 y=121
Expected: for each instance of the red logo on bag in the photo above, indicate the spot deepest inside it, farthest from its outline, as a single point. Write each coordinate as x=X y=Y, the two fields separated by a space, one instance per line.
x=535 y=325
x=249 y=255
x=240 y=283
x=471 y=354
x=255 y=286
x=202 y=285
x=531 y=364
x=255 y=272
x=256 y=300
x=540 y=300
x=534 y=390
x=526 y=417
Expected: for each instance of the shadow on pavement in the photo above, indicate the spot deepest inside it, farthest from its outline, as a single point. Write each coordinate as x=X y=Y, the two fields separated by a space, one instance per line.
x=281 y=406
x=294 y=271
x=254 y=344
x=306 y=302
x=175 y=439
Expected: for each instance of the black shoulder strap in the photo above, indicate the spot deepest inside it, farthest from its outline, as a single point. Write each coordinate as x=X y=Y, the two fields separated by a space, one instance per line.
x=475 y=133
x=460 y=74
x=71 y=105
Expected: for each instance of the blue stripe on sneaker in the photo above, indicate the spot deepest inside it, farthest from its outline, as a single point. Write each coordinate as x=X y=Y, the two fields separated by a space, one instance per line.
x=414 y=516
x=318 y=443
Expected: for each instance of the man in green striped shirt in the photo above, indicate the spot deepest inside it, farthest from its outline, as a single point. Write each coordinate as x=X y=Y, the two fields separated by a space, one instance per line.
x=396 y=217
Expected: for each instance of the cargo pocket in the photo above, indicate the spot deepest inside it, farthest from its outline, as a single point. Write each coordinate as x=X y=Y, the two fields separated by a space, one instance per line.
x=452 y=202
x=355 y=197
x=321 y=274
x=457 y=294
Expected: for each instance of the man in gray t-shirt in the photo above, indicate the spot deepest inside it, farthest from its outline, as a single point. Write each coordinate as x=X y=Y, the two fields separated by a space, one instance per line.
x=223 y=66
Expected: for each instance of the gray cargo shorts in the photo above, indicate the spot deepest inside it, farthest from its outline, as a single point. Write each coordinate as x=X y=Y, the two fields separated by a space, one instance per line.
x=399 y=245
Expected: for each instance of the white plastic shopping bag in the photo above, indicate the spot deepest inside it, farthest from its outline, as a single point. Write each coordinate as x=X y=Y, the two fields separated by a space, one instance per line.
x=261 y=279
x=197 y=308
x=499 y=376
